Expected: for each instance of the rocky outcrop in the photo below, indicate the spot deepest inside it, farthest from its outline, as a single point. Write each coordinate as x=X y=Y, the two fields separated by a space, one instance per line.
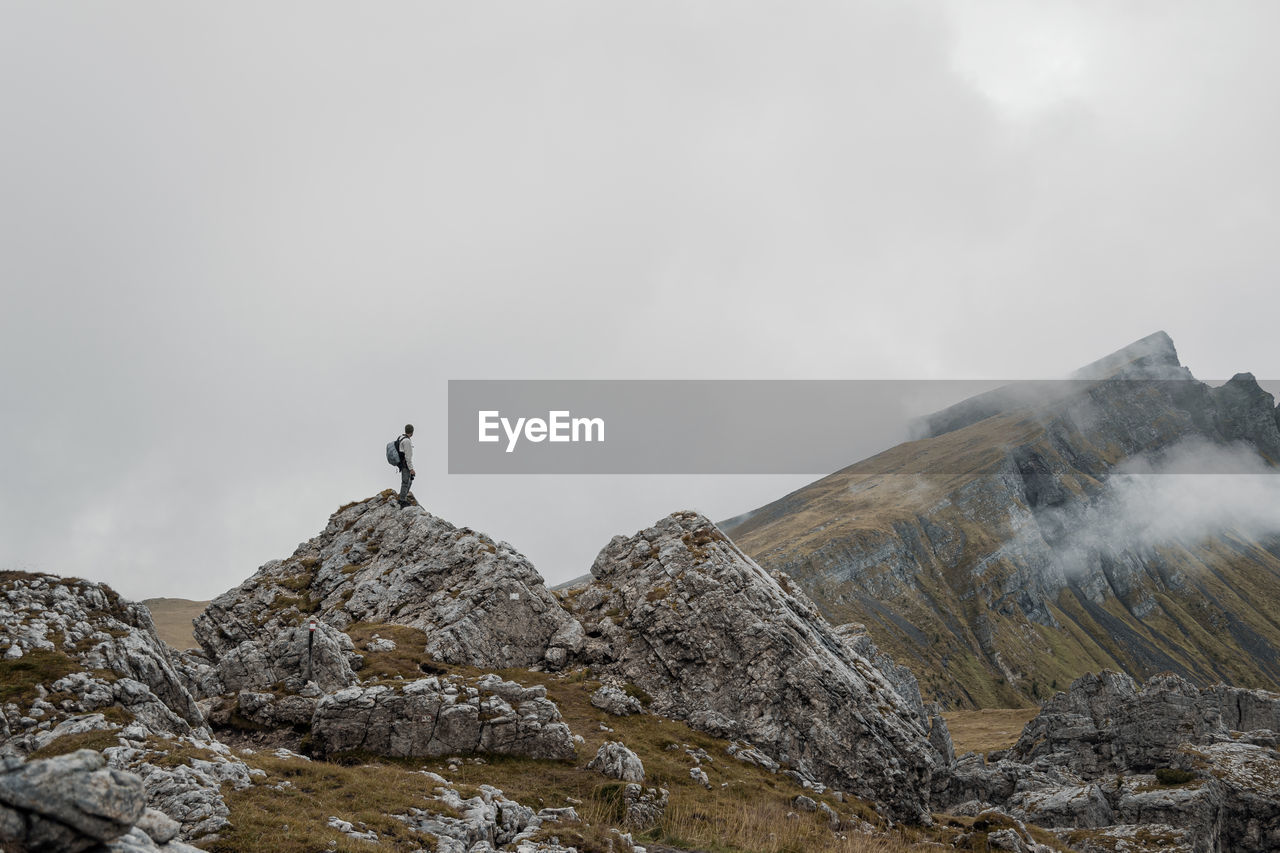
x=442 y=716
x=679 y=611
x=1107 y=723
x=71 y=648
x=291 y=657
x=479 y=601
x=75 y=802
x=184 y=779
x=1110 y=761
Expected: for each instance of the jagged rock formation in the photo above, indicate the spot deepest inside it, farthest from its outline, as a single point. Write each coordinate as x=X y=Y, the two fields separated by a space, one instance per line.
x=993 y=556
x=1195 y=769
x=679 y=611
x=183 y=778
x=432 y=716
x=479 y=601
x=69 y=648
x=74 y=802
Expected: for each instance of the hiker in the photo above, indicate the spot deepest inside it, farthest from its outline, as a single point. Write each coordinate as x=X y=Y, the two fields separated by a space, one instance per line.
x=405 y=445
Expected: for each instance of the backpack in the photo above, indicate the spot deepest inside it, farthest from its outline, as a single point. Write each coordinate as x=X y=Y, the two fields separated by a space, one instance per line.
x=393 y=452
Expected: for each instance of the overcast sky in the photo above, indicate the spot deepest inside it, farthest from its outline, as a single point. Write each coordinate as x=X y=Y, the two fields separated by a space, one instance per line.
x=242 y=244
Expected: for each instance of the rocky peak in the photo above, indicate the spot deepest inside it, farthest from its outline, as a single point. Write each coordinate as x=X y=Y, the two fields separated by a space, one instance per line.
x=678 y=610
x=1152 y=357
x=478 y=600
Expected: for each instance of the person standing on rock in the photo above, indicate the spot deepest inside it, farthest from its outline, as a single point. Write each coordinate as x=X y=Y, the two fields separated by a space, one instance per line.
x=405 y=445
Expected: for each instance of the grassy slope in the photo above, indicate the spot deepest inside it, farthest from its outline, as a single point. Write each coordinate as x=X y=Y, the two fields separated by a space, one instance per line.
x=987 y=730
x=173 y=619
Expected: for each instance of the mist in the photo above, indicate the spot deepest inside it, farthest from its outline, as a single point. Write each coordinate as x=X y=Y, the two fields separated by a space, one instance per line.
x=1190 y=493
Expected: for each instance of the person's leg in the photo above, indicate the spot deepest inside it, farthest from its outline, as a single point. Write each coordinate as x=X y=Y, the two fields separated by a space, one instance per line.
x=406 y=480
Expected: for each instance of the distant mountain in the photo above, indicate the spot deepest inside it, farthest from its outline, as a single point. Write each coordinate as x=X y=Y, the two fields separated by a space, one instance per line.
x=1006 y=551
x=173 y=619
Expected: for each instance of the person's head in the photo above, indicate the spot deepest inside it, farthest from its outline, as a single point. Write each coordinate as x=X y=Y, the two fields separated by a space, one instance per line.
x=408 y=429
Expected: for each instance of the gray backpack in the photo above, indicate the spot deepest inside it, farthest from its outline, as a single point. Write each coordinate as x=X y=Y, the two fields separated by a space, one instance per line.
x=393 y=452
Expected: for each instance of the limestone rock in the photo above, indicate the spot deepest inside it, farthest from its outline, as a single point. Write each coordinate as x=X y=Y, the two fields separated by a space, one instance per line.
x=190 y=791
x=137 y=840
x=293 y=656
x=679 y=611
x=434 y=716
x=644 y=806
x=68 y=803
x=479 y=601
x=486 y=822
x=616 y=761
x=1126 y=762
x=1105 y=723
x=612 y=700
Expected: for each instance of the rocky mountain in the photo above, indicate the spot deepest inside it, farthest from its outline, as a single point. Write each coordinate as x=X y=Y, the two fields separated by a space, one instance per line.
x=1011 y=549
x=400 y=683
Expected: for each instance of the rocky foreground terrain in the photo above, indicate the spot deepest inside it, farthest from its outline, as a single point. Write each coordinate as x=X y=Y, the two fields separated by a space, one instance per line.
x=401 y=683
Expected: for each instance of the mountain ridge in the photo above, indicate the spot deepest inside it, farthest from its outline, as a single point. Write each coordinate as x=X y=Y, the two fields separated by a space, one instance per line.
x=966 y=552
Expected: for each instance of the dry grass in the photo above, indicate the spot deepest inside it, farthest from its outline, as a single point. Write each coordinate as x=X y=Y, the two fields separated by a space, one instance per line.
x=95 y=740
x=18 y=678
x=294 y=818
x=407 y=660
x=173 y=619
x=987 y=730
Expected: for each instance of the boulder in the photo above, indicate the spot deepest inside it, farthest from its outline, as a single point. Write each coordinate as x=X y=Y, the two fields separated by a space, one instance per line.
x=680 y=611
x=643 y=806
x=616 y=702
x=616 y=761
x=68 y=803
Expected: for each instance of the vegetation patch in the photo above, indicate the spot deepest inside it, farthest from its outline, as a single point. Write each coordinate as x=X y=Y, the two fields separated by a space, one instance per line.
x=293 y=817
x=18 y=678
x=96 y=740
x=407 y=660
x=987 y=730
x=1172 y=776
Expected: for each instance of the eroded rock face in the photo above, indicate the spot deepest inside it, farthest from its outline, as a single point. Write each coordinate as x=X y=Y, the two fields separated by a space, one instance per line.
x=83 y=650
x=1106 y=723
x=679 y=611
x=442 y=716
x=1111 y=762
x=68 y=803
x=479 y=601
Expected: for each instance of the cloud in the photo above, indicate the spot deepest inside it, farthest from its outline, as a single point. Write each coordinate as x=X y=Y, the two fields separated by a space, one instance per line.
x=1193 y=491
x=239 y=248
